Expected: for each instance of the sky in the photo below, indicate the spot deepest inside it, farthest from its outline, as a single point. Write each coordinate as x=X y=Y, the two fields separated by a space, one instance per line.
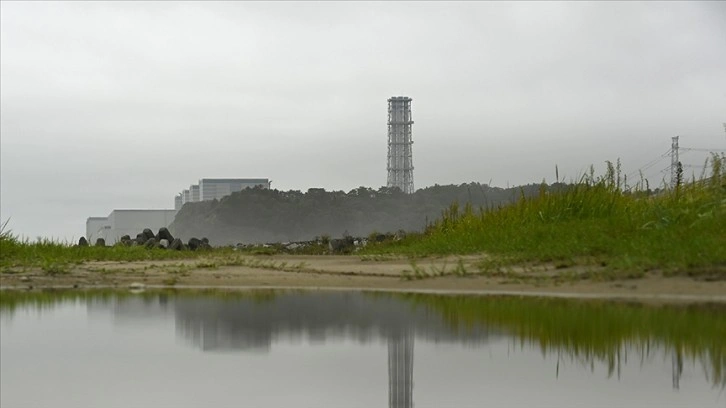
x=117 y=105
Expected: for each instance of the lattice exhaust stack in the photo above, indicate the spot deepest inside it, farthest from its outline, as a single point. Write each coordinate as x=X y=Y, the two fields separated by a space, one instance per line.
x=400 y=160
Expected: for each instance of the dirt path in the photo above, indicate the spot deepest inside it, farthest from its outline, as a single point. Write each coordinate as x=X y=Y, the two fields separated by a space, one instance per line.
x=444 y=275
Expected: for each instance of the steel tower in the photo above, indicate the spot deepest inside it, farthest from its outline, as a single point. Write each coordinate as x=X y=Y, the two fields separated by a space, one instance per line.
x=674 y=161
x=400 y=161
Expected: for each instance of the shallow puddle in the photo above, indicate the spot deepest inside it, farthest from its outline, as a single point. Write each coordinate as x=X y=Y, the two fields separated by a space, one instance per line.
x=354 y=349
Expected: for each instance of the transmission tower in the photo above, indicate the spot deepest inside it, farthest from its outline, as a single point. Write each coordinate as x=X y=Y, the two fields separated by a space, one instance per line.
x=674 y=161
x=400 y=160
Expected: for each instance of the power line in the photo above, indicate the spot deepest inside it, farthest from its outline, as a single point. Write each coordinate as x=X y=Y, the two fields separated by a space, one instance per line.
x=696 y=149
x=650 y=163
x=656 y=160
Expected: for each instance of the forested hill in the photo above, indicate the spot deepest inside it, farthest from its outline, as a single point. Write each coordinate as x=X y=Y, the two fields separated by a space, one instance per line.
x=259 y=216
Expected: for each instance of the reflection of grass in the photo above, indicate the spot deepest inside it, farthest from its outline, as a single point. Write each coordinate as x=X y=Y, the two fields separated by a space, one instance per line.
x=597 y=221
x=595 y=330
x=586 y=331
x=10 y=300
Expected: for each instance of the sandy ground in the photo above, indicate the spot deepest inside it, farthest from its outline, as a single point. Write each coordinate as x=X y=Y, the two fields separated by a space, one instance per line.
x=352 y=272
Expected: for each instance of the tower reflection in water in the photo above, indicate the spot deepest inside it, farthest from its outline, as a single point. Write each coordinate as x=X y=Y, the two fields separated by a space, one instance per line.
x=400 y=371
x=254 y=323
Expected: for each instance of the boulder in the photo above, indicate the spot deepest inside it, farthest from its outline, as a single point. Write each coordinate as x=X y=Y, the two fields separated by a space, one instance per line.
x=148 y=234
x=141 y=238
x=194 y=243
x=150 y=243
x=126 y=241
x=83 y=242
x=100 y=242
x=164 y=243
x=176 y=245
x=165 y=234
x=205 y=240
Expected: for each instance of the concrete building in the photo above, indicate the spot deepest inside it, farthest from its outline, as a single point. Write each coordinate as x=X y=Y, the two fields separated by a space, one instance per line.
x=194 y=193
x=213 y=188
x=126 y=222
x=95 y=228
x=216 y=188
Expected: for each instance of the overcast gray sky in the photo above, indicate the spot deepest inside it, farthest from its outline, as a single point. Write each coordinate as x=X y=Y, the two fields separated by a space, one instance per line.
x=123 y=104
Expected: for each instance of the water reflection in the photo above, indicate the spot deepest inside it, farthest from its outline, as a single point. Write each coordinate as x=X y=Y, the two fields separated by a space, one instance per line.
x=254 y=324
x=584 y=332
x=400 y=371
x=237 y=324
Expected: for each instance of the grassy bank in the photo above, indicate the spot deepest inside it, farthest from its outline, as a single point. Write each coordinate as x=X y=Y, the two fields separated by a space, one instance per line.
x=56 y=257
x=598 y=220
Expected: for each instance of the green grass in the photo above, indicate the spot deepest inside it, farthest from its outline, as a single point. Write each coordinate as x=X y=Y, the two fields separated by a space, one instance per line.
x=597 y=221
x=56 y=257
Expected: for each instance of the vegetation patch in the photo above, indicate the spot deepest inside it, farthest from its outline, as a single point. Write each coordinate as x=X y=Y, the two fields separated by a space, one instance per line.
x=599 y=221
x=54 y=256
x=54 y=268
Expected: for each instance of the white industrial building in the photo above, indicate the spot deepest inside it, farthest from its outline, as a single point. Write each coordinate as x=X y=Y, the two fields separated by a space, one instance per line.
x=95 y=227
x=126 y=222
x=216 y=188
x=131 y=222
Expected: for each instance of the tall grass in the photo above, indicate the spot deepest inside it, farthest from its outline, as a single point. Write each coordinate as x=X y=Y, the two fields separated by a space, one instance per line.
x=598 y=219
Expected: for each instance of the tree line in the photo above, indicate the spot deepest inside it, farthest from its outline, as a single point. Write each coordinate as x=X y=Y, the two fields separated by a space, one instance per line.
x=263 y=215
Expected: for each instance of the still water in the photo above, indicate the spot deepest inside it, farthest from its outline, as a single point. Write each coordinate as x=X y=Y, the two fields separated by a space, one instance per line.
x=354 y=349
